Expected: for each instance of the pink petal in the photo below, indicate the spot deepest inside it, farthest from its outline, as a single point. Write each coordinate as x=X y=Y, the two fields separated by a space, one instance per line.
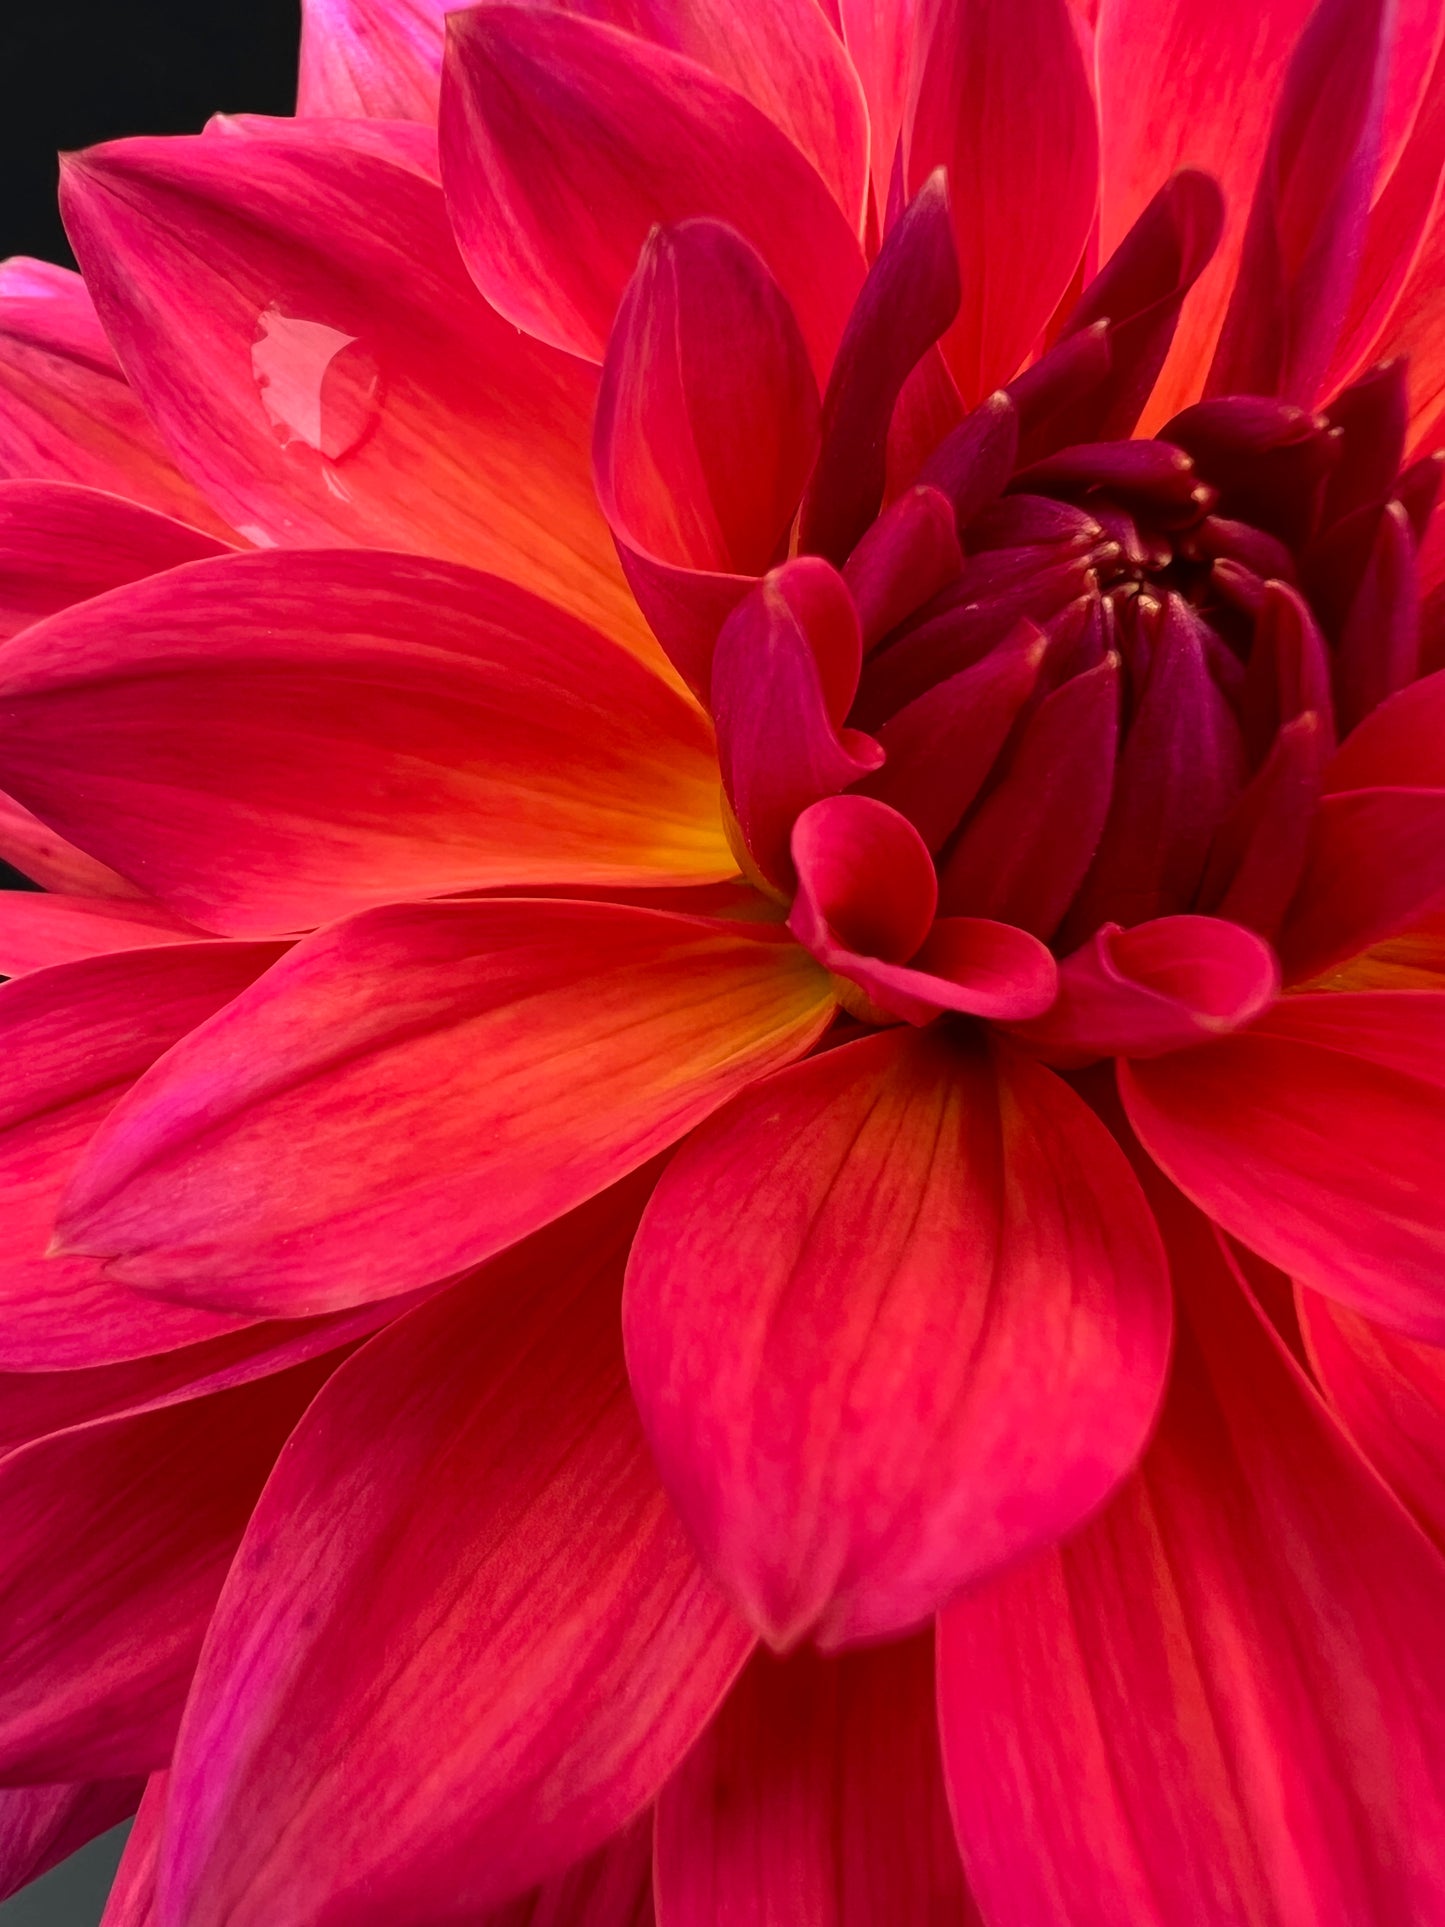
x=893 y=1318
x=1390 y=1392
x=610 y=1888
x=376 y=57
x=38 y=929
x=42 y=1825
x=117 y=1536
x=1416 y=329
x=66 y=414
x=784 y=673
x=464 y=1596
x=706 y=429
x=1003 y=102
x=903 y=560
x=303 y=330
x=318 y=717
x=1189 y=83
x=565 y=141
x=1307 y=221
x=1312 y=1137
x=1158 y=987
x=815 y=1795
x=340 y=1143
x=60 y=543
x=73 y=1038
x=1221 y=1701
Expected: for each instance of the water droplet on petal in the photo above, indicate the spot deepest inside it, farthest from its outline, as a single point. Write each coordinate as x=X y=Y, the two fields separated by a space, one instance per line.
x=318 y=385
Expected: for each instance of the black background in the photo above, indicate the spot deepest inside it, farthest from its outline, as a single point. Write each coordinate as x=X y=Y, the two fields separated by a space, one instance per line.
x=72 y=74
x=75 y=73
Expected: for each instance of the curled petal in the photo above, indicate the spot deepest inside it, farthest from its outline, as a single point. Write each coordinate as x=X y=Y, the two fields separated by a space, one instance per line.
x=341 y=1143
x=847 y=1292
x=1159 y=987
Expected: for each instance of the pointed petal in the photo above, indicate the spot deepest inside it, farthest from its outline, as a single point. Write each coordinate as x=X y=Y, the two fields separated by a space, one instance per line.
x=1221 y=1701
x=381 y=58
x=816 y=1795
x=352 y=728
x=1003 y=102
x=1315 y=1137
x=466 y=1560
x=342 y=1143
x=60 y=543
x=73 y=1038
x=42 y=1825
x=565 y=141
x=34 y=849
x=117 y=1536
x=881 y=36
x=1306 y=225
x=305 y=334
x=66 y=414
x=893 y=1318
x=1189 y=83
x=37 y=929
x=909 y=298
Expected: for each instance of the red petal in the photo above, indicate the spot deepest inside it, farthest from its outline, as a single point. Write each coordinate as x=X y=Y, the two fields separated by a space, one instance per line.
x=895 y=1317
x=464 y=1601
x=1221 y=1701
x=565 y=141
x=341 y=1142
x=1003 y=103
x=41 y=1825
x=1316 y=1137
x=47 y=859
x=66 y=414
x=1306 y=225
x=298 y=321
x=131 y=1902
x=1376 y=864
x=73 y=1038
x=118 y=1535
x=318 y=717
x=60 y=544
x=881 y=36
x=1189 y=83
x=815 y=1795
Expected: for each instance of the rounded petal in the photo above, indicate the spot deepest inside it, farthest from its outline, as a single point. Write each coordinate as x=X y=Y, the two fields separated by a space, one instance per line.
x=895 y=1317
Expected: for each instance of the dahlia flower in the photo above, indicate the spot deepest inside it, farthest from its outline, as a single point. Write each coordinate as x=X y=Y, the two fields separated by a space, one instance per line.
x=725 y=1107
